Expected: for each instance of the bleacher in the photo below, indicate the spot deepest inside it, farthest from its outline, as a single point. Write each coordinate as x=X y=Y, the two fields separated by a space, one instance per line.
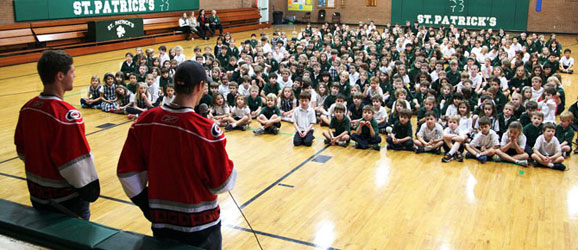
x=22 y=43
x=58 y=231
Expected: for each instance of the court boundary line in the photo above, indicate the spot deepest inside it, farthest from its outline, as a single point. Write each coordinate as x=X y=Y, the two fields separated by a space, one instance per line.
x=280 y=237
x=282 y=178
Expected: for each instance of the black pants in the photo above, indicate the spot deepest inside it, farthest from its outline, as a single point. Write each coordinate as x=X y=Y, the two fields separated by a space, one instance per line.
x=447 y=149
x=208 y=29
x=187 y=31
x=76 y=206
x=365 y=140
x=210 y=238
x=93 y=105
x=407 y=145
x=134 y=111
x=306 y=141
x=199 y=32
x=215 y=26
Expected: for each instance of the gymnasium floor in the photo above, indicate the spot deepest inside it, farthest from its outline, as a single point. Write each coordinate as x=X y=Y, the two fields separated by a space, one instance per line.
x=320 y=197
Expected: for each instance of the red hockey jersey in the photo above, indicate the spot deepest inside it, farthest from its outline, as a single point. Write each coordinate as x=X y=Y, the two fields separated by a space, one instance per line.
x=50 y=140
x=181 y=156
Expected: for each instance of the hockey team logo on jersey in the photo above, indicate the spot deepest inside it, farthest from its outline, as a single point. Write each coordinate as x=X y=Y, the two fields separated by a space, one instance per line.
x=169 y=119
x=73 y=115
x=216 y=131
x=37 y=104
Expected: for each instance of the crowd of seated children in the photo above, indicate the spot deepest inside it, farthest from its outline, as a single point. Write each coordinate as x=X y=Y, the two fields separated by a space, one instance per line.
x=470 y=90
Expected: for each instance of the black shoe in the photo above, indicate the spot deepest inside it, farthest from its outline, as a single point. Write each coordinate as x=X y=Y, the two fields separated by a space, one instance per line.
x=229 y=127
x=244 y=127
x=357 y=146
x=447 y=158
x=459 y=157
x=470 y=156
x=326 y=141
x=375 y=147
x=419 y=150
x=559 y=166
x=389 y=147
x=275 y=130
x=483 y=159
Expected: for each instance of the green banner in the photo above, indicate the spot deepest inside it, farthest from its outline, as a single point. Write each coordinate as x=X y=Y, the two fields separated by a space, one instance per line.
x=31 y=10
x=99 y=31
x=480 y=14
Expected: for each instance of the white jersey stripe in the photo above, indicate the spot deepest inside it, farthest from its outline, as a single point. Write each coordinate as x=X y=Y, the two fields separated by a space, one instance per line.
x=179 y=128
x=53 y=117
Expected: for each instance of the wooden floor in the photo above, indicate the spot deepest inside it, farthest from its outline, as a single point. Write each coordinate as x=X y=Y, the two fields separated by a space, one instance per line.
x=356 y=200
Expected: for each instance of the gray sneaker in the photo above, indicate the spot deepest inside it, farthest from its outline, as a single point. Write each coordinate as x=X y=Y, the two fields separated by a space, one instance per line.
x=259 y=131
x=244 y=127
x=342 y=143
x=523 y=163
x=275 y=130
x=496 y=158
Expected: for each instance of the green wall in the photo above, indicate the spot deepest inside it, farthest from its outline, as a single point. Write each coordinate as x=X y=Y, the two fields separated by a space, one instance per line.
x=506 y=14
x=30 y=10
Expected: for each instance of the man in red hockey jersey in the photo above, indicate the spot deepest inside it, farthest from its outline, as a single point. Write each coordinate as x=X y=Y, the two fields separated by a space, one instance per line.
x=181 y=156
x=50 y=140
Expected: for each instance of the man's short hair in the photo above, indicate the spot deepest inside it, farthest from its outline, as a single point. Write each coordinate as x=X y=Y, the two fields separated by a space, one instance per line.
x=51 y=63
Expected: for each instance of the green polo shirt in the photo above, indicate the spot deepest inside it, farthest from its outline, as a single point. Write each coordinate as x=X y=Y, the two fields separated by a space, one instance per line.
x=365 y=130
x=340 y=126
x=269 y=88
x=564 y=134
x=402 y=130
x=268 y=112
x=254 y=104
x=532 y=132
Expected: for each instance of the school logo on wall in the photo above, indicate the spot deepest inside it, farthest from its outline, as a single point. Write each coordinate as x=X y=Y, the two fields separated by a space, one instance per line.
x=120 y=24
x=115 y=29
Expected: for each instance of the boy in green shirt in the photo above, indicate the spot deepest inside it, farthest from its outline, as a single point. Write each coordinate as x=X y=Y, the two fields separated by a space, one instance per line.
x=533 y=130
x=400 y=137
x=270 y=117
x=341 y=125
x=367 y=134
x=564 y=133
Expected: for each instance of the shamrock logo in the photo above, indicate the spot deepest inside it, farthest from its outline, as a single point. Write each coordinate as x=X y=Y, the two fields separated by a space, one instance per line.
x=120 y=31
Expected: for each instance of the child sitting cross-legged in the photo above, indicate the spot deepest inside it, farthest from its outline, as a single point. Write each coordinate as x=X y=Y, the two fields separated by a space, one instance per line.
x=565 y=133
x=430 y=134
x=401 y=133
x=270 y=117
x=513 y=144
x=484 y=143
x=304 y=119
x=342 y=126
x=453 y=140
x=547 y=150
x=367 y=134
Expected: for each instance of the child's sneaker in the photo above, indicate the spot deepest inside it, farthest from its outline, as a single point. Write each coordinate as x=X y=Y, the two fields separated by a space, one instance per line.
x=459 y=157
x=559 y=166
x=523 y=163
x=131 y=116
x=565 y=154
x=83 y=106
x=259 y=131
x=389 y=147
x=470 y=156
x=275 y=130
x=375 y=147
x=496 y=158
x=341 y=143
x=419 y=150
x=244 y=127
x=483 y=159
x=229 y=127
x=447 y=158
x=357 y=146
x=327 y=141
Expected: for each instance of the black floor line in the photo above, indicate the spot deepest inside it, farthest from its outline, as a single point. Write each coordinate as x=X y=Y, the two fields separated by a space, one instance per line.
x=280 y=237
x=7 y=160
x=283 y=178
x=100 y=130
